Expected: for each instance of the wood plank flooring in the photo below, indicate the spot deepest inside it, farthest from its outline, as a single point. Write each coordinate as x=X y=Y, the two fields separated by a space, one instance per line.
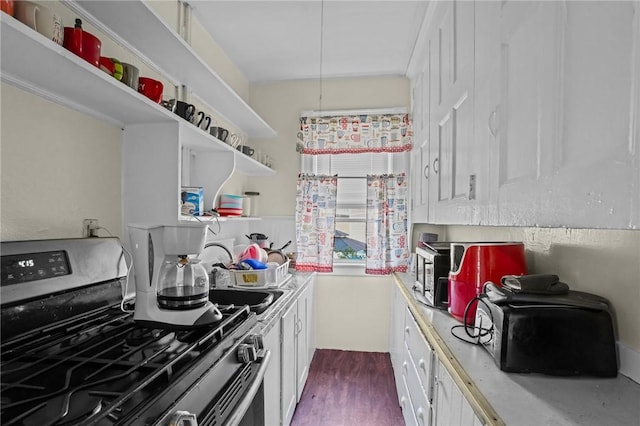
x=347 y=388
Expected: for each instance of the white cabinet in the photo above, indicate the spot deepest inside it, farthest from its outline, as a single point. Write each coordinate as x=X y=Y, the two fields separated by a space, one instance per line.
x=288 y=363
x=451 y=407
x=272 y=378
x=418 y=370
x=396 y=335
x=560 y=115
x=457 y=161
x=533 y=114
x=420 y=151
x=298 y=346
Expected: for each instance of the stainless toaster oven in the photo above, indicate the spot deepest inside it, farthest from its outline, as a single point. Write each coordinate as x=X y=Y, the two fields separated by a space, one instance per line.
x=432 y=271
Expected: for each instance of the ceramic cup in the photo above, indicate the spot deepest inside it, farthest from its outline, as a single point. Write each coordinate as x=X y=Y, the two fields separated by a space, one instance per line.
x=185 y=110
x=170 y=105
x=130 y=75
x=220 y=133
x=247 y=150
x=151 y=88
x=41 y=19
x=202 y=120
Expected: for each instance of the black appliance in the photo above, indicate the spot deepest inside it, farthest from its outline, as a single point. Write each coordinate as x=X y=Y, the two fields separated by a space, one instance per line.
x=72 y=355
x=563 y=335
x=432 y=272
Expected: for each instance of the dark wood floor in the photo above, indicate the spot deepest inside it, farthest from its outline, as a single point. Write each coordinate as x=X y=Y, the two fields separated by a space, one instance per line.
x=348 y=388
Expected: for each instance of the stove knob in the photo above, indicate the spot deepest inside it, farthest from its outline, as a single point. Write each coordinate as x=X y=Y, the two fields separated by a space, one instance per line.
x=183 y=418
x=247 y=353
x=256 y=341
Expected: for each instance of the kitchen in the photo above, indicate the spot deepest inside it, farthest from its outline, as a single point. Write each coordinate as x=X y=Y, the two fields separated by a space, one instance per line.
x=71 y=166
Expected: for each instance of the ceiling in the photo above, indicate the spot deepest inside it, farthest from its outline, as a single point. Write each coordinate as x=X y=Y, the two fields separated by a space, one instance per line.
x=273 y=40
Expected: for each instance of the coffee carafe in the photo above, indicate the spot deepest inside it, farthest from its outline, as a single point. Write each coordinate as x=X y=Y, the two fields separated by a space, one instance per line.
x=172 y=287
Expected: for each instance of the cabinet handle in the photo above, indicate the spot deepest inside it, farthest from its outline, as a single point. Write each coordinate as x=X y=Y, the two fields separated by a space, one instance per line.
x=420 y=416
x=426 y=172
x=492 y=122
x=435 y=166
x=407 y=330
x=423 y=365
x=405 y=367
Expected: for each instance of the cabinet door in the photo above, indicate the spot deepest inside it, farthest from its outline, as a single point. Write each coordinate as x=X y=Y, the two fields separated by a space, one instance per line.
x=528 y=82
x=455 y=159
x=396 y=336
x=451 y=407
x=302 y=340
x=272 y=378
x=288 y=364
x=592 y=163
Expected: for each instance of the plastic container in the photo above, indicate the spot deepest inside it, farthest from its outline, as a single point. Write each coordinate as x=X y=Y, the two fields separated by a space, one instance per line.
x=270 y=277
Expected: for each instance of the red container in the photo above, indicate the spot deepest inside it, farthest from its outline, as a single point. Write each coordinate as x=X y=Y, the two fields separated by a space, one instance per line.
x=82 y=43
x=473 y=264
x=151 y=88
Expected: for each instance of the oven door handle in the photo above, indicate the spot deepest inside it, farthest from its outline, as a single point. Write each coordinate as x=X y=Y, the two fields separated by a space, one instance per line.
x=241 y=408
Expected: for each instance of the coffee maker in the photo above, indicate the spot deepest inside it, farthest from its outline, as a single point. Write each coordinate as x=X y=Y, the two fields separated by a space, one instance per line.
x=172 y=287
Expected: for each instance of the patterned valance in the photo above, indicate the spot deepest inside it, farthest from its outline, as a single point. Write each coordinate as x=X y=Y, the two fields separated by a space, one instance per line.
x=355 y=134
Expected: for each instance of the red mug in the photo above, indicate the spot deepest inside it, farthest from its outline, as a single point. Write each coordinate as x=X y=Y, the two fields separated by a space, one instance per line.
x=7 y=6
x=151 y=88
x=82 y=43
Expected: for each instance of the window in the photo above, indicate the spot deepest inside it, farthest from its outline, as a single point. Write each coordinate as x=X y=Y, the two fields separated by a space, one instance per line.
x=352 y=171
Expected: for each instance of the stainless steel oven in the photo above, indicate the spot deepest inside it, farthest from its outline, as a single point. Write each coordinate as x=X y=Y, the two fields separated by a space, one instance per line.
x=72 y=354
x=432 y=271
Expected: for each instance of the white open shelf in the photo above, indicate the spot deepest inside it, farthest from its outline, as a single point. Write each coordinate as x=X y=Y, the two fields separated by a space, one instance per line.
x=142 y=28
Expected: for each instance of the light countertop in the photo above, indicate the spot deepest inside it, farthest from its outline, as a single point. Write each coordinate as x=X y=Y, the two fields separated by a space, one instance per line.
x=524 y=399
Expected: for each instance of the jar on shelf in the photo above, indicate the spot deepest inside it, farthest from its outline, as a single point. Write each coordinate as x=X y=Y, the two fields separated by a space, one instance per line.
x=250 y=203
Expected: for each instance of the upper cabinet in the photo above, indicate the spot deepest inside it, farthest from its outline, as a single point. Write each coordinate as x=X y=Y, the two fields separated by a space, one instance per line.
x=534 y=112
x=456 y=161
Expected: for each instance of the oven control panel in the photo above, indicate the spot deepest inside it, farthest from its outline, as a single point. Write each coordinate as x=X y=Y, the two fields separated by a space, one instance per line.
x=21 y=268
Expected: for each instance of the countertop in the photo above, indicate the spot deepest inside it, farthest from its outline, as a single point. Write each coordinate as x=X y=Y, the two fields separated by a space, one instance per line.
x=522 y=399
x=292 y=289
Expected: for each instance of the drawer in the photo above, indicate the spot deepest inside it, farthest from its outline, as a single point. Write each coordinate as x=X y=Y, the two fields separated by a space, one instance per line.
x=405 y=401
x=419 y=401
x=421 y=353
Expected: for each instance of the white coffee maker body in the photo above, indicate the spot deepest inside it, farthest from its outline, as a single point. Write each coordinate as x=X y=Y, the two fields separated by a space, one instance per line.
x=172 y=288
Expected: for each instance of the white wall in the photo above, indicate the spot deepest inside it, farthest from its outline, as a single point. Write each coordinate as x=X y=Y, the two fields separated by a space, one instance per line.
x=352 y=313
x=59 y=167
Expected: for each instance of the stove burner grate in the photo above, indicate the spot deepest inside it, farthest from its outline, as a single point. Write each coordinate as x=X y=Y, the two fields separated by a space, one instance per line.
x=98 y=368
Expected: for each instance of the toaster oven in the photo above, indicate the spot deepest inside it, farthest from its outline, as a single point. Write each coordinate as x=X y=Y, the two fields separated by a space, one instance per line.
x=432 y=271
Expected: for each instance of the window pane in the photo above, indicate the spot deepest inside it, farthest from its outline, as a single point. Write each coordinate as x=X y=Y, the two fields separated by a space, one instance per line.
x=349 y=242
x=352 y=191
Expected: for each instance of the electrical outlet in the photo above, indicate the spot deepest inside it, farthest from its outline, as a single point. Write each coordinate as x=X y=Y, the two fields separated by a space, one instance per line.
x=90 y=228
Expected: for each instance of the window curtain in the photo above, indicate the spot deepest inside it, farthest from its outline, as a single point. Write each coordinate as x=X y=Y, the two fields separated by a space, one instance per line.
x=386 y=230
x=315 y=222
x=355 y=134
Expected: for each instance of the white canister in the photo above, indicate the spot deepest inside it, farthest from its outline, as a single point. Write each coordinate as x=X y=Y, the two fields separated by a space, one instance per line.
x=250 y=203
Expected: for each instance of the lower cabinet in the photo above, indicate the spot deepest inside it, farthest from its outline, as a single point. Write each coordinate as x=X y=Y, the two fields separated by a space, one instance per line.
x=417 y=371
x=298 y=346
x=451 y=407
x=272 y=378
x=427 y=393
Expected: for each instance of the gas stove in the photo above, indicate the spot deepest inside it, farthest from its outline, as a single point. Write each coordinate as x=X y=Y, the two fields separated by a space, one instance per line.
x=75 y=356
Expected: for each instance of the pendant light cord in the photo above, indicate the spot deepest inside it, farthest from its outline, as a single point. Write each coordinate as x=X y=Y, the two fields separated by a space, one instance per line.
x=321 y=51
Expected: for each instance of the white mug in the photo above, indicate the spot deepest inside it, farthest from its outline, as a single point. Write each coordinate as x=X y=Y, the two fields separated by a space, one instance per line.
x=41 y=19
